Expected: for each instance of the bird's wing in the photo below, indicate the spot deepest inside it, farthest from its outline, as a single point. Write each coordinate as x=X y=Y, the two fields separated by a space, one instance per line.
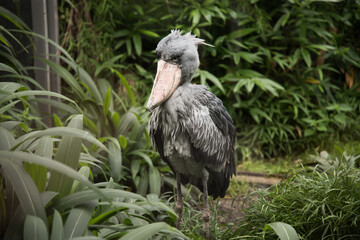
x=211 y=131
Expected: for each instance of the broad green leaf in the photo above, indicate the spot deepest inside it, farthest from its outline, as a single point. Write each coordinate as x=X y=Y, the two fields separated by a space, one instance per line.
x=137 y=43
x=128 y=47
x=107 y=64
x=89 y=82
x=121 y=33
x=143 y=156
x=241 y=33
x=256 y=112
x=122 y=141
x=85 y=79
x=214 y=80
x=149 y=33
x=53 y=165
x=6 y=68
x=39 y=173
x=24 y=186
x=154 y=180
x=57 y=232
x=33 y=93
x=127 y=87
x=3 y=40
x=250 y=57
x=77 y=221
x=144 y=232
x=87 y=238
x=66 y=76
x=91 y=125
x=106 y=215
x=69 y=154
x=9 y=125
x=135 y=167
x=115 y=160
x=18 y=217
x=283 y=230
x=84 y=171
x=107 y=101
x=144 y=181
x=88 y=195
x=7 y=140
x=71 y=109
x=195 y=15
x=57 y=121
x=10 y=86
x=306 y=56
x=35 y=228
x=53 y=43
x=13 y=18
x=61 y=131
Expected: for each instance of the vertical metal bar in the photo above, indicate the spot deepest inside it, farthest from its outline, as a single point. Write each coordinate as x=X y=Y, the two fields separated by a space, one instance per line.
x=45 y=22
x=53 y=31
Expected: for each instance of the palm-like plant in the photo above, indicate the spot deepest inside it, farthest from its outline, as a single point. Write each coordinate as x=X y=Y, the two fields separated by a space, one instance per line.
x=45 y=173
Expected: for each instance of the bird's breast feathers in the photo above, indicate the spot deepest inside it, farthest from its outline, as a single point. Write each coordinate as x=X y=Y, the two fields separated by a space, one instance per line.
x=189 y=128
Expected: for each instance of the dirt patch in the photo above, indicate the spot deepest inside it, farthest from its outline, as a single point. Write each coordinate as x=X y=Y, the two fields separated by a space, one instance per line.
x=232 y=209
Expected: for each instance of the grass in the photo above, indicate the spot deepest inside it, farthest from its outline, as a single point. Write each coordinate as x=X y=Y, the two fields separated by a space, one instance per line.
x=319 y=205
x=268 y=166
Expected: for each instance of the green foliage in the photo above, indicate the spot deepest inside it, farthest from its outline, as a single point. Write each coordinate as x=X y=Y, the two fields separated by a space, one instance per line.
x=45 y=172
x=287 y=71
x=319 y=204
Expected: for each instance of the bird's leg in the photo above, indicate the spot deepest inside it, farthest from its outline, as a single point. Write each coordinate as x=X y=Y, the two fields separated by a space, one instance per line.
x=179 y=201
x=206 y=215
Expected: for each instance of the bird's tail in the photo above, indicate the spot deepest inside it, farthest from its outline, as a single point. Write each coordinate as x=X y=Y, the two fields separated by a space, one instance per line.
x=218 y=183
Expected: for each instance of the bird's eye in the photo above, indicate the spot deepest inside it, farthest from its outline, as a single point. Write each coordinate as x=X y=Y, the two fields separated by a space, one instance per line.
x=174 y=59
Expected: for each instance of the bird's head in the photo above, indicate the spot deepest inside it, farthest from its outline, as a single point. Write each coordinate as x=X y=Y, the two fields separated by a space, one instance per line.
x=178 y=60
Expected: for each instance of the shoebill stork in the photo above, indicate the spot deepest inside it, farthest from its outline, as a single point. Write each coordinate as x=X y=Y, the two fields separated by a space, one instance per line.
x=189 y=125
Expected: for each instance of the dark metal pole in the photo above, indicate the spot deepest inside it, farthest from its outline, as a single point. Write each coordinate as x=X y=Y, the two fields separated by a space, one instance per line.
x=45 y=22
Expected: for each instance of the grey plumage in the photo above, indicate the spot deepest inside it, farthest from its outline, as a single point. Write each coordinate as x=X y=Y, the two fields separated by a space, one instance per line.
x=191 y=129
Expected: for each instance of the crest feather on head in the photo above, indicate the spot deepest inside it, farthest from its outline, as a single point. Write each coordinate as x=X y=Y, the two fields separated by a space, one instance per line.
x=191 y=37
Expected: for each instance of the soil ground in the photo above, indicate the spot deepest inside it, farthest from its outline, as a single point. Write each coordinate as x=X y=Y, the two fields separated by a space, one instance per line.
x=232 y=207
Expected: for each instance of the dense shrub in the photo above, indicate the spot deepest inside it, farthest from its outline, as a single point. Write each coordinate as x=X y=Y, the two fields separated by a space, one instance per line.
x=45 y=172
x=320 y=204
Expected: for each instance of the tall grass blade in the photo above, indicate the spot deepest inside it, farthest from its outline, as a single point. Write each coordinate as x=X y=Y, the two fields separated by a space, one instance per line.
x=154 y=180
x=127 y=87
x=60 y=131
x=89 y=195
x=24 y=187
x=68 y=154
x=53 y=165
x=78 y=219
x=146 y=231
x=39 y=173
x=57 y=232
x=7 y=140
x=115 y=160
x=35 y=229
x=33 y=93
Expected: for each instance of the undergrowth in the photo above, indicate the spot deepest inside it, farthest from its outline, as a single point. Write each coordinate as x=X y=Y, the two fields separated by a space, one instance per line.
x=321 y=203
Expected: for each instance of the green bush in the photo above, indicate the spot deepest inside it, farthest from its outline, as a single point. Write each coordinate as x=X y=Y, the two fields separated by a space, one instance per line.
x=320 y=204
x=46 y=172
